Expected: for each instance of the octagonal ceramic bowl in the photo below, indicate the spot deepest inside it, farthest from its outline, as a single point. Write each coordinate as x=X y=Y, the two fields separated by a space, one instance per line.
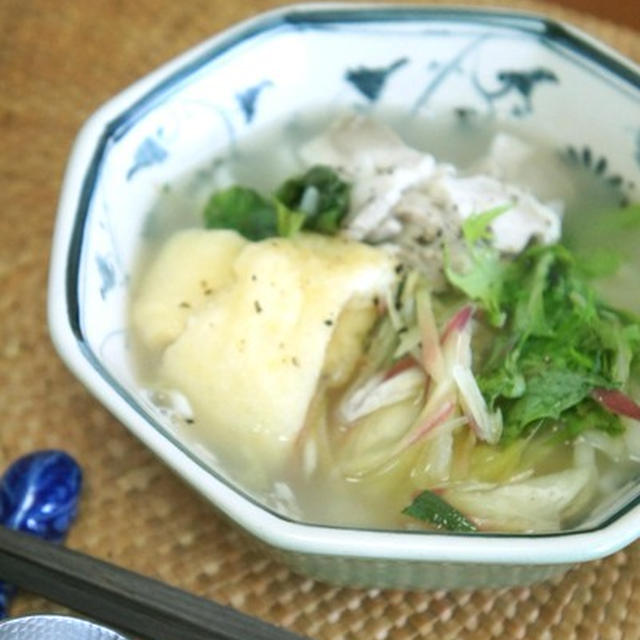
x=268 y=74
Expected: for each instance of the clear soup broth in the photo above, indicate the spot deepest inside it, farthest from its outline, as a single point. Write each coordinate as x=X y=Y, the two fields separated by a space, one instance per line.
x=312 y=484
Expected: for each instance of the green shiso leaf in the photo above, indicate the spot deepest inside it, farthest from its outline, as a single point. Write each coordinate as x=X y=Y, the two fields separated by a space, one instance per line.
x=548 y=394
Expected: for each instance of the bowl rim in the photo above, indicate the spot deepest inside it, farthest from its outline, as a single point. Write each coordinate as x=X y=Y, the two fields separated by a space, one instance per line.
x=112 y=119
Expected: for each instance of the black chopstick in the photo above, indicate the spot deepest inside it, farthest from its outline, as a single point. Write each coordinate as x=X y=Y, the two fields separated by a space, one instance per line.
x=120 y=598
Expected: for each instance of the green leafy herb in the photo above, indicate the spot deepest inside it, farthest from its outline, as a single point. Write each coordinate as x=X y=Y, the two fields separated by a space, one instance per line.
x=548 y=394
x=622 y=219
x=628 y=217
x=429 y=507
x=529 y=315
x=316 y=201
x=483 y=279
x=600 y=262
x=558 y=343
x=476 y=227
x=584 y=416
x=288 y=222
x=320 y=195
x=243 y=210
x=604 y=242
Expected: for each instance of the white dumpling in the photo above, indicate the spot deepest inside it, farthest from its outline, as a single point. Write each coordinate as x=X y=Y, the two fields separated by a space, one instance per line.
x=250 y=360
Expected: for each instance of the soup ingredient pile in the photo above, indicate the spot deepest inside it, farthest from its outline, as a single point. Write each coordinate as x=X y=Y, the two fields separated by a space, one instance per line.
x=411 y=342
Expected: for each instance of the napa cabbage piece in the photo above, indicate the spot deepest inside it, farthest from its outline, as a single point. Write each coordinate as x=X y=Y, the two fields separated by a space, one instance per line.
x=536 y=504
x=251 y=359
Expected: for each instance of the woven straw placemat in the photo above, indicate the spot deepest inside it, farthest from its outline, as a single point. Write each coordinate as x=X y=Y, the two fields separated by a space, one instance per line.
x=58 y=62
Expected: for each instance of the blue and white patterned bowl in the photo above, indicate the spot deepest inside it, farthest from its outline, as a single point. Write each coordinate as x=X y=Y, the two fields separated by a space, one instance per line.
x=551 y=79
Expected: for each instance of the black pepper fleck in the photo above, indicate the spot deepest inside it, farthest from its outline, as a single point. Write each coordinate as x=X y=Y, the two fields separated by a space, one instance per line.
x=257 y=306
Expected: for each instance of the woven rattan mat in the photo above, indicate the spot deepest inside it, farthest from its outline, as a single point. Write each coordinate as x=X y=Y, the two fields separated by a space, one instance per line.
x=58 y=62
